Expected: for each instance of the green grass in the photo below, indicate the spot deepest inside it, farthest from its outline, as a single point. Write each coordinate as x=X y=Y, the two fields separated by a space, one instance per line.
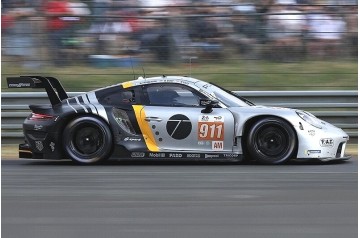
x=234 y=75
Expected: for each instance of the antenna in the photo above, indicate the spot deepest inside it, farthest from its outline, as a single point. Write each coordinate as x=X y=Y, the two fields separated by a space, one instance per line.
x=190 y=58
x=143 y=72
x=132 y=66
x=131 y=61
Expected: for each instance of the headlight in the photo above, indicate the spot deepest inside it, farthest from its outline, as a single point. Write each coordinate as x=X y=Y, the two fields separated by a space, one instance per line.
x=309 y=118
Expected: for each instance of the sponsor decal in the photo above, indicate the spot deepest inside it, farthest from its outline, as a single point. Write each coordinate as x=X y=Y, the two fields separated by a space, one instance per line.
x=137 y=155
x=179 y=127
x=308 y=152
x=209 y=118
x=193 y=155
x=184 y=82
x=132 y=139
x=311 y=132
x=18 y=85
x=211 y=156
x=201 y=142
x=52 y=146
x=207 y=86
x=39 y=145
x=204 y=118
x=326 y=142
x=217 y=145
x=231 y=155
x=157 y=155
x=171 y=155
x=38 y=127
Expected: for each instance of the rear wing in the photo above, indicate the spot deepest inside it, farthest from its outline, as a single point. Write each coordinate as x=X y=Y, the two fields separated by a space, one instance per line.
x=53 y=87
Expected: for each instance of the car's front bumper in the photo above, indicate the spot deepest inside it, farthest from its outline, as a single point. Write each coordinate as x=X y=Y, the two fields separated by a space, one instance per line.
x=346 y=157
x=324 y=144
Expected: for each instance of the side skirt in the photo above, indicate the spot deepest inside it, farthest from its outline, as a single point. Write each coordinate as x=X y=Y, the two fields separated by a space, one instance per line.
x=179 y=156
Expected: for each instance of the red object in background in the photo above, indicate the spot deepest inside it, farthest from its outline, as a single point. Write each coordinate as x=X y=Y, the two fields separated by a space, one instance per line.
x=56 y=11
x=7 y=22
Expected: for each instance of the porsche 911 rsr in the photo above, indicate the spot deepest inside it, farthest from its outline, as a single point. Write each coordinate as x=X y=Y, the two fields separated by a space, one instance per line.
x=170 y=117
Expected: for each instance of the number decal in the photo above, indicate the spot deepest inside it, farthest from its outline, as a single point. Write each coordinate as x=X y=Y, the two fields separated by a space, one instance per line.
x=211 y=131
x=211 y=128
x=203 y=130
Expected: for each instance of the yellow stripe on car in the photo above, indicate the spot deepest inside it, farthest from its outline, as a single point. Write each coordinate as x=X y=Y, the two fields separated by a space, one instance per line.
x=145 y=128
x=127 y=84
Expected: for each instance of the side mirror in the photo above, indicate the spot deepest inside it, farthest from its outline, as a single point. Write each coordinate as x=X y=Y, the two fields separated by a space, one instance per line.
x=208 y=104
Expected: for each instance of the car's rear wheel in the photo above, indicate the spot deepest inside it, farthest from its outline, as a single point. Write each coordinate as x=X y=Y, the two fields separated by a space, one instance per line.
x=87 y=140
x=271 y=141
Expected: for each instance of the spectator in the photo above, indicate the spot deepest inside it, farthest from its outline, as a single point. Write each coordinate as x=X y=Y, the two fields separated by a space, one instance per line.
x=205 y=33
x=203 y=28
x=244 y=34
x=285 y=26
x=352 y=30
x=20 y=41
x=156 y=38
x=100 y=9
x=326 y=32
x=58 y=27
x=75 y=45
x=262 y=9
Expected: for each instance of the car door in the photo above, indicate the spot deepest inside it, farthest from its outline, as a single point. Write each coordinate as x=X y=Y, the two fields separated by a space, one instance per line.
x=176 y=122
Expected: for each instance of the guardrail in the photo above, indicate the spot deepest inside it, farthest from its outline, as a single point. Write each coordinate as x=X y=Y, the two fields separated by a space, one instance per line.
x=337 y=107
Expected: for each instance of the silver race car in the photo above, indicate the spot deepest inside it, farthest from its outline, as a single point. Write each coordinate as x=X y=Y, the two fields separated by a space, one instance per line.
x=170 y=117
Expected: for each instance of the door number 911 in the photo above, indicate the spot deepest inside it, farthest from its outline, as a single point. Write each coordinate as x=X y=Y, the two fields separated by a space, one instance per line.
x=211 y=131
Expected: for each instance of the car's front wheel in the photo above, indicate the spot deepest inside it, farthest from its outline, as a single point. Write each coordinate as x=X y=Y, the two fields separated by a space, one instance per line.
x=87 y=140
x=271 y=141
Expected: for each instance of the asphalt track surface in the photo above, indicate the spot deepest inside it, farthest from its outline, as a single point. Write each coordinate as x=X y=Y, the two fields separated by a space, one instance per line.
x=44 y=199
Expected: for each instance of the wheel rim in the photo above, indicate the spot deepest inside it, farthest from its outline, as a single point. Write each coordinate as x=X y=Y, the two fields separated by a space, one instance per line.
x=87 y=140
x=272 y=141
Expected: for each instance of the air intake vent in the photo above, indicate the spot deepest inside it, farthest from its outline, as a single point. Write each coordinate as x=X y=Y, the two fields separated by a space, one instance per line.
x=339 y=150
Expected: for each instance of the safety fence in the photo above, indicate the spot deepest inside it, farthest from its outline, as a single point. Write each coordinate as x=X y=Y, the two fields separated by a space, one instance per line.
x=337 y=107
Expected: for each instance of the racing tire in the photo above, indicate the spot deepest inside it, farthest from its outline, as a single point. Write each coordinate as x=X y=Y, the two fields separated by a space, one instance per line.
x=87 y=140
x=271 y=141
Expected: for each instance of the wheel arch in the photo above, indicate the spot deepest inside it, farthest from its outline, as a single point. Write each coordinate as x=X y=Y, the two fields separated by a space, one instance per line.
x=251 y=121
x=73 y=116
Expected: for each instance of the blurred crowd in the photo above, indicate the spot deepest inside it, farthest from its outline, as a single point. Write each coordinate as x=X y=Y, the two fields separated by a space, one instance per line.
x=62 y=32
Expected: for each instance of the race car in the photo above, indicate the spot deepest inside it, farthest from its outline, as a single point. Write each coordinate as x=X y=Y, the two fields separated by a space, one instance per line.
x=170 y=117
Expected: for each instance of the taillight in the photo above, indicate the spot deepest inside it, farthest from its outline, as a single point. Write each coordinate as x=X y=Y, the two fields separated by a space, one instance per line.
x=38 y=116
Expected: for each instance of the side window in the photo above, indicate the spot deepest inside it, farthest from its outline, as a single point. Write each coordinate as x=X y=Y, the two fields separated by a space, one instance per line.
x=121 y=97
x=172 y=95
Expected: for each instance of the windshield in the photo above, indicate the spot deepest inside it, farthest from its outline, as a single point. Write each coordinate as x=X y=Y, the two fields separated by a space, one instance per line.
x=229 y=98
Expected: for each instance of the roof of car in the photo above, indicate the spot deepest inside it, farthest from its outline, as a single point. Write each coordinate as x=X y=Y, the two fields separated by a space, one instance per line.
x=161 y=79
